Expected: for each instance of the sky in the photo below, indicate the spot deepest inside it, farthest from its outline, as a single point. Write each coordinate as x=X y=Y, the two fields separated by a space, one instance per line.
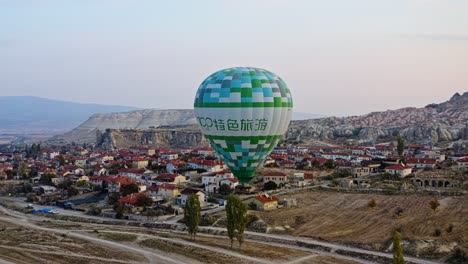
x=337 y=57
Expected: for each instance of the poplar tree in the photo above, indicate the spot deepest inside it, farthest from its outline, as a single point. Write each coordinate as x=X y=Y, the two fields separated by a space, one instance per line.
x=397 y=249
x=236 y=213
x=192 y=215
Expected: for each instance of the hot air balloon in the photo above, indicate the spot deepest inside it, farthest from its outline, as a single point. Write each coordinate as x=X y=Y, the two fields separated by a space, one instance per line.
x=243 y=112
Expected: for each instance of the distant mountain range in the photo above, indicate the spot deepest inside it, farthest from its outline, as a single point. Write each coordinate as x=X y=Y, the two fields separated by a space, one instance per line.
x=29 y=114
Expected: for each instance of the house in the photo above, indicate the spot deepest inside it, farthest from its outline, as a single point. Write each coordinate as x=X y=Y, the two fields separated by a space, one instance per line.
x=171 y=178
x=399 y=169
x=277 y=177
x=175 y=165
x=216 y=177
x=170 y=156
x=131 y=172
x=312 y=161
x=184 y=195
x=421 y=163
x=336 y=156
x=139 y=163
x=167 y=190
x=79 y=161
x=46 y=189
x=289 y=164
x=132 y=199
x=203 y=151
x=364 y=170
x=263 y=202
x=232 y=182
x=463 y=162
x=208 y=165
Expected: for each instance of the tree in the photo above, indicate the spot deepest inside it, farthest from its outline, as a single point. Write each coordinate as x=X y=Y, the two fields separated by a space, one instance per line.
x=23 y=168
x=225 y=189
x=72 y=191
x=113 y=198
x=316 y=164
x=329 y=164
x=397 y=249
x=119 y=209
x=61 y=160
x=270 y=185
x=372 y=203
x=434 y=203
x=144 y=200
x=47 y=178
x=129 y=189
x=236 y=213
x=400 y=145
x=192 y=215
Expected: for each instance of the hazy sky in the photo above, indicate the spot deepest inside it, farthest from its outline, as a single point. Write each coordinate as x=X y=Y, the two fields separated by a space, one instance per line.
x=338 y=57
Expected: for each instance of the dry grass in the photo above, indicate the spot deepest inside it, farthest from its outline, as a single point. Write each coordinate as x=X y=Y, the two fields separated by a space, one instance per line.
x=195 y=253
x=118 y=237
x=22 y=244
x=344 y=217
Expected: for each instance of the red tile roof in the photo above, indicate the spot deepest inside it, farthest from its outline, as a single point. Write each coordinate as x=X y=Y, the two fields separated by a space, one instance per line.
x=132 y=198
x=264 y=199
x=421 y=161
x=398 y=167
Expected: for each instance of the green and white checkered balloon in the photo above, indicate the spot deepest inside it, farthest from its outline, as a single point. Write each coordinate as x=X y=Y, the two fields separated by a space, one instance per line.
x=243 y=112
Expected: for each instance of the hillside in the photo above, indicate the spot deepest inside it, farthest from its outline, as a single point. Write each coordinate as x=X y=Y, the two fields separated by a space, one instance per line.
x=445 y=123
x=136 y=120
x=28 y=114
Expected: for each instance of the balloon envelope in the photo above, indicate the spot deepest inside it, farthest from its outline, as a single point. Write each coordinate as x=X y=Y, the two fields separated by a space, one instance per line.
x=243 y=112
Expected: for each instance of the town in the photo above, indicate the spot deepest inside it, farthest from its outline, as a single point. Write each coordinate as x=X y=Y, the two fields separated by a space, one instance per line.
x=152 y=185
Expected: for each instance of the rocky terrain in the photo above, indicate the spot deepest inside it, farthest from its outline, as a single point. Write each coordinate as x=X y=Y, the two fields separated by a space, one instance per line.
x=184 y=136
x=445 y=123
x=97 y=124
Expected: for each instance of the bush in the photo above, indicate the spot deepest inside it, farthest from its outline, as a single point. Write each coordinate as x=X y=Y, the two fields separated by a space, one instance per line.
x=434 y=204
x=93 y=210
x=372 y=203
x=399 y=211
x=449 y=228
x=437 y=232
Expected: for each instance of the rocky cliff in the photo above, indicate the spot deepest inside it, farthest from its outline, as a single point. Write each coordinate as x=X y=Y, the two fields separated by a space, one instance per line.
x=434 y=124
x=444 y=124
x=140 y=119
x=183 y=136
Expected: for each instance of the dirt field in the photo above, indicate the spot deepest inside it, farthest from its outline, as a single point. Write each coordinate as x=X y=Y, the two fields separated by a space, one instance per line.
x=345 y=217
x=24 y=245
x=34 y=239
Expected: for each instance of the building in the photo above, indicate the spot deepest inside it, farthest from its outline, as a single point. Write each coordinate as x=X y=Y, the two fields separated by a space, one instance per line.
x=463 y=162
x=139 y=163
x=171 y=178
x=184 y=195
x=364 y=171
x=167 y=190
x=421 y=163
x=263 y=202
x=399 y=169
x=277 y=177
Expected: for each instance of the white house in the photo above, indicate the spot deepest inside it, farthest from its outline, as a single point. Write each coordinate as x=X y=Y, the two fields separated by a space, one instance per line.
x=184 y=195
x=399 y=169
